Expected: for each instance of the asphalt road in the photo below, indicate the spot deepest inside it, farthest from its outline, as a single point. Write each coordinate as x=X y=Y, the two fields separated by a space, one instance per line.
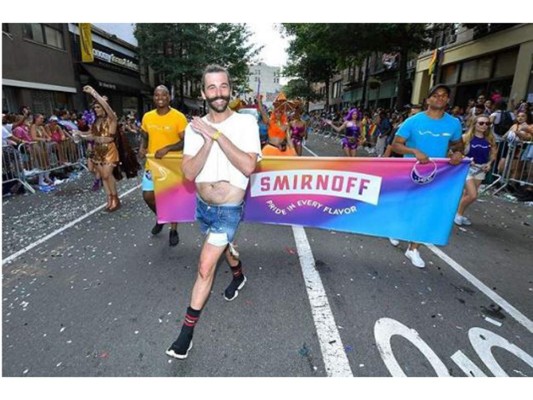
x=102 y=297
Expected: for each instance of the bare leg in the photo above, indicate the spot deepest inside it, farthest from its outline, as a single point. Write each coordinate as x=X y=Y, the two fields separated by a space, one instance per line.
x=469 y=195
x=414 y=246
x=206 y=273
x=149 y=199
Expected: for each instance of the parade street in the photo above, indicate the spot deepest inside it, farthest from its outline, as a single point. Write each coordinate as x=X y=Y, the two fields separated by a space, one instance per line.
x=91 y=294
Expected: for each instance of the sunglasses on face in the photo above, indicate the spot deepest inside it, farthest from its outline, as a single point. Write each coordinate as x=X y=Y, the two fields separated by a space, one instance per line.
x=483 y=123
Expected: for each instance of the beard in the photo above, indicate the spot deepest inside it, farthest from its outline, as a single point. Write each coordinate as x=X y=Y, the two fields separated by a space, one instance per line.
x=218 y=108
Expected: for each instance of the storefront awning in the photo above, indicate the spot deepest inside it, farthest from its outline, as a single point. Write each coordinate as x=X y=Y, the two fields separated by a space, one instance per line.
x=114 y=80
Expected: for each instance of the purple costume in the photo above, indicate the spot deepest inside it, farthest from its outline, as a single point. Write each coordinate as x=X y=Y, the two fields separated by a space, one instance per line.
x=351 y=138
x=297 y=134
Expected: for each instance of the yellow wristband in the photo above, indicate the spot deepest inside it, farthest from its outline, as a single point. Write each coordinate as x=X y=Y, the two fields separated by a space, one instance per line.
x=216 y=135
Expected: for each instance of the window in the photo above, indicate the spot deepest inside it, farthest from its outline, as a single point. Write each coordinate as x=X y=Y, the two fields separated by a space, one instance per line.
x=50 y=34
x=352 y=73
x=450 y=73
x=505 y=64
x=476 y=69
x=42 y=101
x=337 y=89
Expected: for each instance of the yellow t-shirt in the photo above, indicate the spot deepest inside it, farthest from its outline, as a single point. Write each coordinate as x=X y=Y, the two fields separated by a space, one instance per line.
x=163 y=130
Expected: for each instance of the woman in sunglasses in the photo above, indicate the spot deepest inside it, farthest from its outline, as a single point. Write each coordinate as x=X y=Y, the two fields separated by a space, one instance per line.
x=480 y=146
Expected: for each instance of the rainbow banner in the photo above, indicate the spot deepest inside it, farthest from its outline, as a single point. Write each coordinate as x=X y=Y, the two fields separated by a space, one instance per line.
x=386 y=197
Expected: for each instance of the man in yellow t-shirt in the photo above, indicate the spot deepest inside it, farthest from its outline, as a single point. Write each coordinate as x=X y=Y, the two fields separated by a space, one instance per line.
x=162 y=130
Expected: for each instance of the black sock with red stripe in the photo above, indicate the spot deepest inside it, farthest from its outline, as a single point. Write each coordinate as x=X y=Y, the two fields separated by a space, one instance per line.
x=237 y=271
x=187 y=330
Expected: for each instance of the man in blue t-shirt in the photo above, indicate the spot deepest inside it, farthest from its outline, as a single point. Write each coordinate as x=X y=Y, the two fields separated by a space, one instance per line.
x=432 y=133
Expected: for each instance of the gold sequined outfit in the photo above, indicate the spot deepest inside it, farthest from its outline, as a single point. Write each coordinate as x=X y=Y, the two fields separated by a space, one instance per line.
x=104 y=153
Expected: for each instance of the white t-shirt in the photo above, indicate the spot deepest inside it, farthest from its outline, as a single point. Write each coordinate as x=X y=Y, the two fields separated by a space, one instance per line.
x=242 y=130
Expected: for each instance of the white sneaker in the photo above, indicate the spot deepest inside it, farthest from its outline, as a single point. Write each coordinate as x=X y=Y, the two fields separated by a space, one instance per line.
x=466 y=221
x=415 y=258
x=394 y=242
x=458 y=220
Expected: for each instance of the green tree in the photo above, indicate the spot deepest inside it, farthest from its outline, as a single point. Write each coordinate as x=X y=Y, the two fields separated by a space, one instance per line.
x=406 y=39
x=310 y=57
x=299 y=88
x=344 y=44
x=229 y=46
x=178 y=52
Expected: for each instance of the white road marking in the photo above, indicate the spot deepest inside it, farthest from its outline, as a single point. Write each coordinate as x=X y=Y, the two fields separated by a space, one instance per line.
x=385 y=329
x=333 y=353
x=58 y=231
x=309 y=150
x=466 y=364
x=513 y=312
x=483 y=341
x=493 y=321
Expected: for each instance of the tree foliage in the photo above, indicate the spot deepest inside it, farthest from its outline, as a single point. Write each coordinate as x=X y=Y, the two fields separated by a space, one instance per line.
x=178 y=52
x=310 y=58
x=318 y=51
x=299 y=88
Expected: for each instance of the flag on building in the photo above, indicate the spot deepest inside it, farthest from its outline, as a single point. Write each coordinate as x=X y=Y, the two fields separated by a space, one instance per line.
x=434 y=62
x=86 y=43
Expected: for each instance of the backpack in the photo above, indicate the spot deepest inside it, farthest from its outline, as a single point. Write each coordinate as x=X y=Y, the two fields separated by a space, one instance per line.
x=506 y=121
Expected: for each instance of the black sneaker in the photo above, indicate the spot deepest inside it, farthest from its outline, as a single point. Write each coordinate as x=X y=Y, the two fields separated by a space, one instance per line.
x=173 y=238
x=232 y=290
x=157 y=228
x=176 y=350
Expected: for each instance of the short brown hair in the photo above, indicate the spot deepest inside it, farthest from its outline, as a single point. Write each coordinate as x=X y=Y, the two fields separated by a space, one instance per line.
x=212 y=68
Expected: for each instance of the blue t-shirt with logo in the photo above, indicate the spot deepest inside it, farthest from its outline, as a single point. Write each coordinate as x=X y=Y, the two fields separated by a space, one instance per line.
x=431 y=136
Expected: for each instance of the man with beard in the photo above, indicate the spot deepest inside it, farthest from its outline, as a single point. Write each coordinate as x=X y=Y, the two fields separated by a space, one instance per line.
x=162 y=130
x=432 y=133
x=221 y=151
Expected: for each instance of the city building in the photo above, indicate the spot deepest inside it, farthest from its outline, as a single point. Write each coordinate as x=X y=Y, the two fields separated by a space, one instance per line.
x=37 y=69
x=115 y=72
x=42 y=68
x=264 y=79
x=371 y=84
x=474 y=60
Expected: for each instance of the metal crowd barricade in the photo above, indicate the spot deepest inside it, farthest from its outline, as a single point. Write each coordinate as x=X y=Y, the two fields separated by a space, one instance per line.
x=33 y=158
x=520 y=169
x=517 y=166
x=12 y=167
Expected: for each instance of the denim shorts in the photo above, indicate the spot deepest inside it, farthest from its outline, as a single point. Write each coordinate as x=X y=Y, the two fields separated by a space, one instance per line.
x=147 y=184
x=475 y=172
x=218 y=221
